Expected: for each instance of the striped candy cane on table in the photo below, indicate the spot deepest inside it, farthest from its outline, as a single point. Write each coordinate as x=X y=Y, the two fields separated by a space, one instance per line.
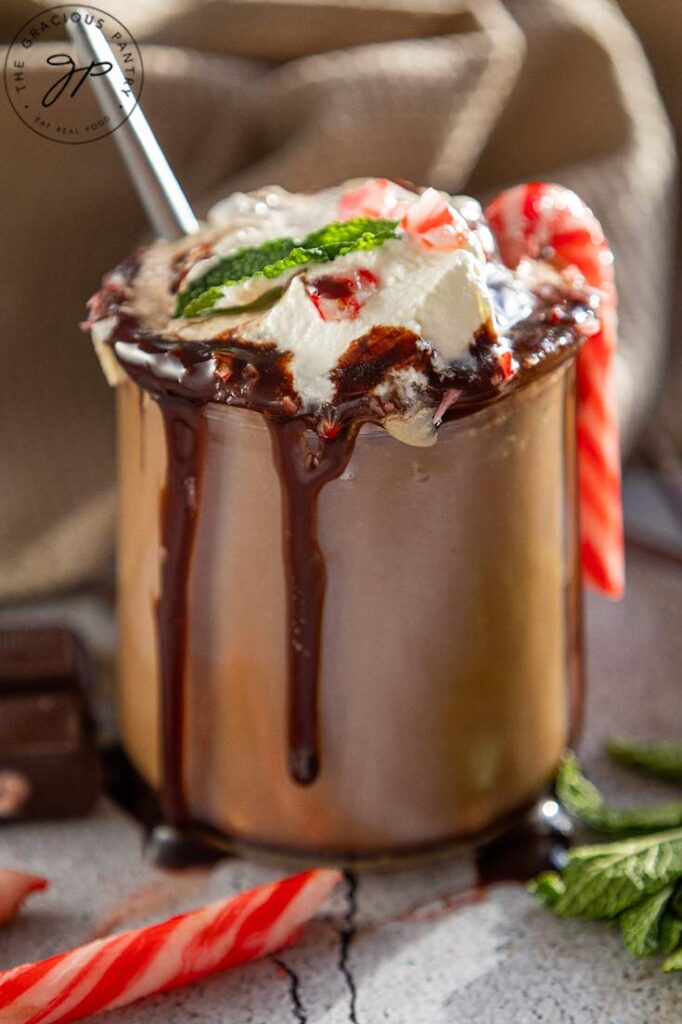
x=120 y=969
x=545 y=221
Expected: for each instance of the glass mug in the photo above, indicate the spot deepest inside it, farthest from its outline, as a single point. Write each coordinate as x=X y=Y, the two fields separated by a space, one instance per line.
x=450 y=666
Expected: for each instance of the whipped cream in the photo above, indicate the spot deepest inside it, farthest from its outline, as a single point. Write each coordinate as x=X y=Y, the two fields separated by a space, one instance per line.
x=424 y=318
x=412 y=325
x=436 y=290
x=440 y=296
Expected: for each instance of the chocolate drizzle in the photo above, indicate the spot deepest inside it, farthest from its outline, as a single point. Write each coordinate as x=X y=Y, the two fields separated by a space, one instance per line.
x=185 y=446
x=305 y=463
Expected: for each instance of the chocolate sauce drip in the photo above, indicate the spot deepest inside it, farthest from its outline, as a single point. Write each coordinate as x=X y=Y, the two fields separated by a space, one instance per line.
x=305 y=463
x=185 y=429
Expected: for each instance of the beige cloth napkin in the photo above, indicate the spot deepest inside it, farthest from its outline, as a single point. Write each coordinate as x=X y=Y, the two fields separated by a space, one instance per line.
x=469 y=96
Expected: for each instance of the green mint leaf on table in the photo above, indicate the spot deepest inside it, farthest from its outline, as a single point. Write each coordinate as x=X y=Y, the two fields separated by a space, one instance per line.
x=635 y=881
x=583 y=800
x=604 y=879
x=641 y=924
x=661 y=758
x=674 y=961
x=272 y=259
x=670 y=933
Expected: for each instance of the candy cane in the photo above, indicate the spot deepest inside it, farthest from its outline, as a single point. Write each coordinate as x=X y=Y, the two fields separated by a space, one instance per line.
x=549 y=222
x=123 y=968
x=15 y=886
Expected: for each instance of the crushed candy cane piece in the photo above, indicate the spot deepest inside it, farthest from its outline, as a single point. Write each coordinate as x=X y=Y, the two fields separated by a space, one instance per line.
x=377 y=197
x=15 y=886
x=449 y=398
x=157 y=897
x=118 y=970
x=506 y=362
x=341 y=296
x=435 y=223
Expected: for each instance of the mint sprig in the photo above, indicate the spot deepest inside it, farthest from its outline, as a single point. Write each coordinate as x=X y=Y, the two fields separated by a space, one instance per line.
x=674 y=961
x=264 y=300
x=238 y=266
x=272 y=259
x=582 y=799
x=341 y=237
x=641 y=925
x=661 y=758
x=604 y=879
x=635 y=881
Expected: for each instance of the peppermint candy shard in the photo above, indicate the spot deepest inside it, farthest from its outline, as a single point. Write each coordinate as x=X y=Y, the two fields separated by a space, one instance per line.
x=15 y=886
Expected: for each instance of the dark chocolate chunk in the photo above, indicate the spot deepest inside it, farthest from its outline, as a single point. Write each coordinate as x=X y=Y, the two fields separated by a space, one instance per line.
x=49 y=766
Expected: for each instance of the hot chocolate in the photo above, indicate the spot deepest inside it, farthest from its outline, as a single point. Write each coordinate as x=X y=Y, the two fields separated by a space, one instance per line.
x=349 y=553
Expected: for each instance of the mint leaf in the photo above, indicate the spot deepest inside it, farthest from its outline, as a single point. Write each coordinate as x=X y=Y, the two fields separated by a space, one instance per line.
x=549 y=887
x=674 y=961
x=661 y=758
x=207 y=300
x=637 y=880
x=583 y=800
x=604 y=879
x=272 y=259
x=342 y=237
x=676 y=902
x=238 y=266
x=670 y=933
x=641 y=924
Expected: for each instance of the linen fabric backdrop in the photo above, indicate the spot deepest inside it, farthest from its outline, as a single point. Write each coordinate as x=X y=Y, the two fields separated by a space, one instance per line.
x=467 y=96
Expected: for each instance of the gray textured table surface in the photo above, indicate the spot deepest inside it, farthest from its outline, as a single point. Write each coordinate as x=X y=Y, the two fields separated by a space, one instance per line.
x=417 y=955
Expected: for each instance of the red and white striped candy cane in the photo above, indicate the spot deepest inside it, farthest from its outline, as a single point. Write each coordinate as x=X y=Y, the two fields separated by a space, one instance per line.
x=122 y=968
x=544 y=221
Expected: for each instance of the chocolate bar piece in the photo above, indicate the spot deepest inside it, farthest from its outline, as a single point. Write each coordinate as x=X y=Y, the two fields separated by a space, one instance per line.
x=49 y=766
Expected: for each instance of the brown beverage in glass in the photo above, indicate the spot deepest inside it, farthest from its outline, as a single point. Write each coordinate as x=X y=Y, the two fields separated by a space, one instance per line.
x=343 y=646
